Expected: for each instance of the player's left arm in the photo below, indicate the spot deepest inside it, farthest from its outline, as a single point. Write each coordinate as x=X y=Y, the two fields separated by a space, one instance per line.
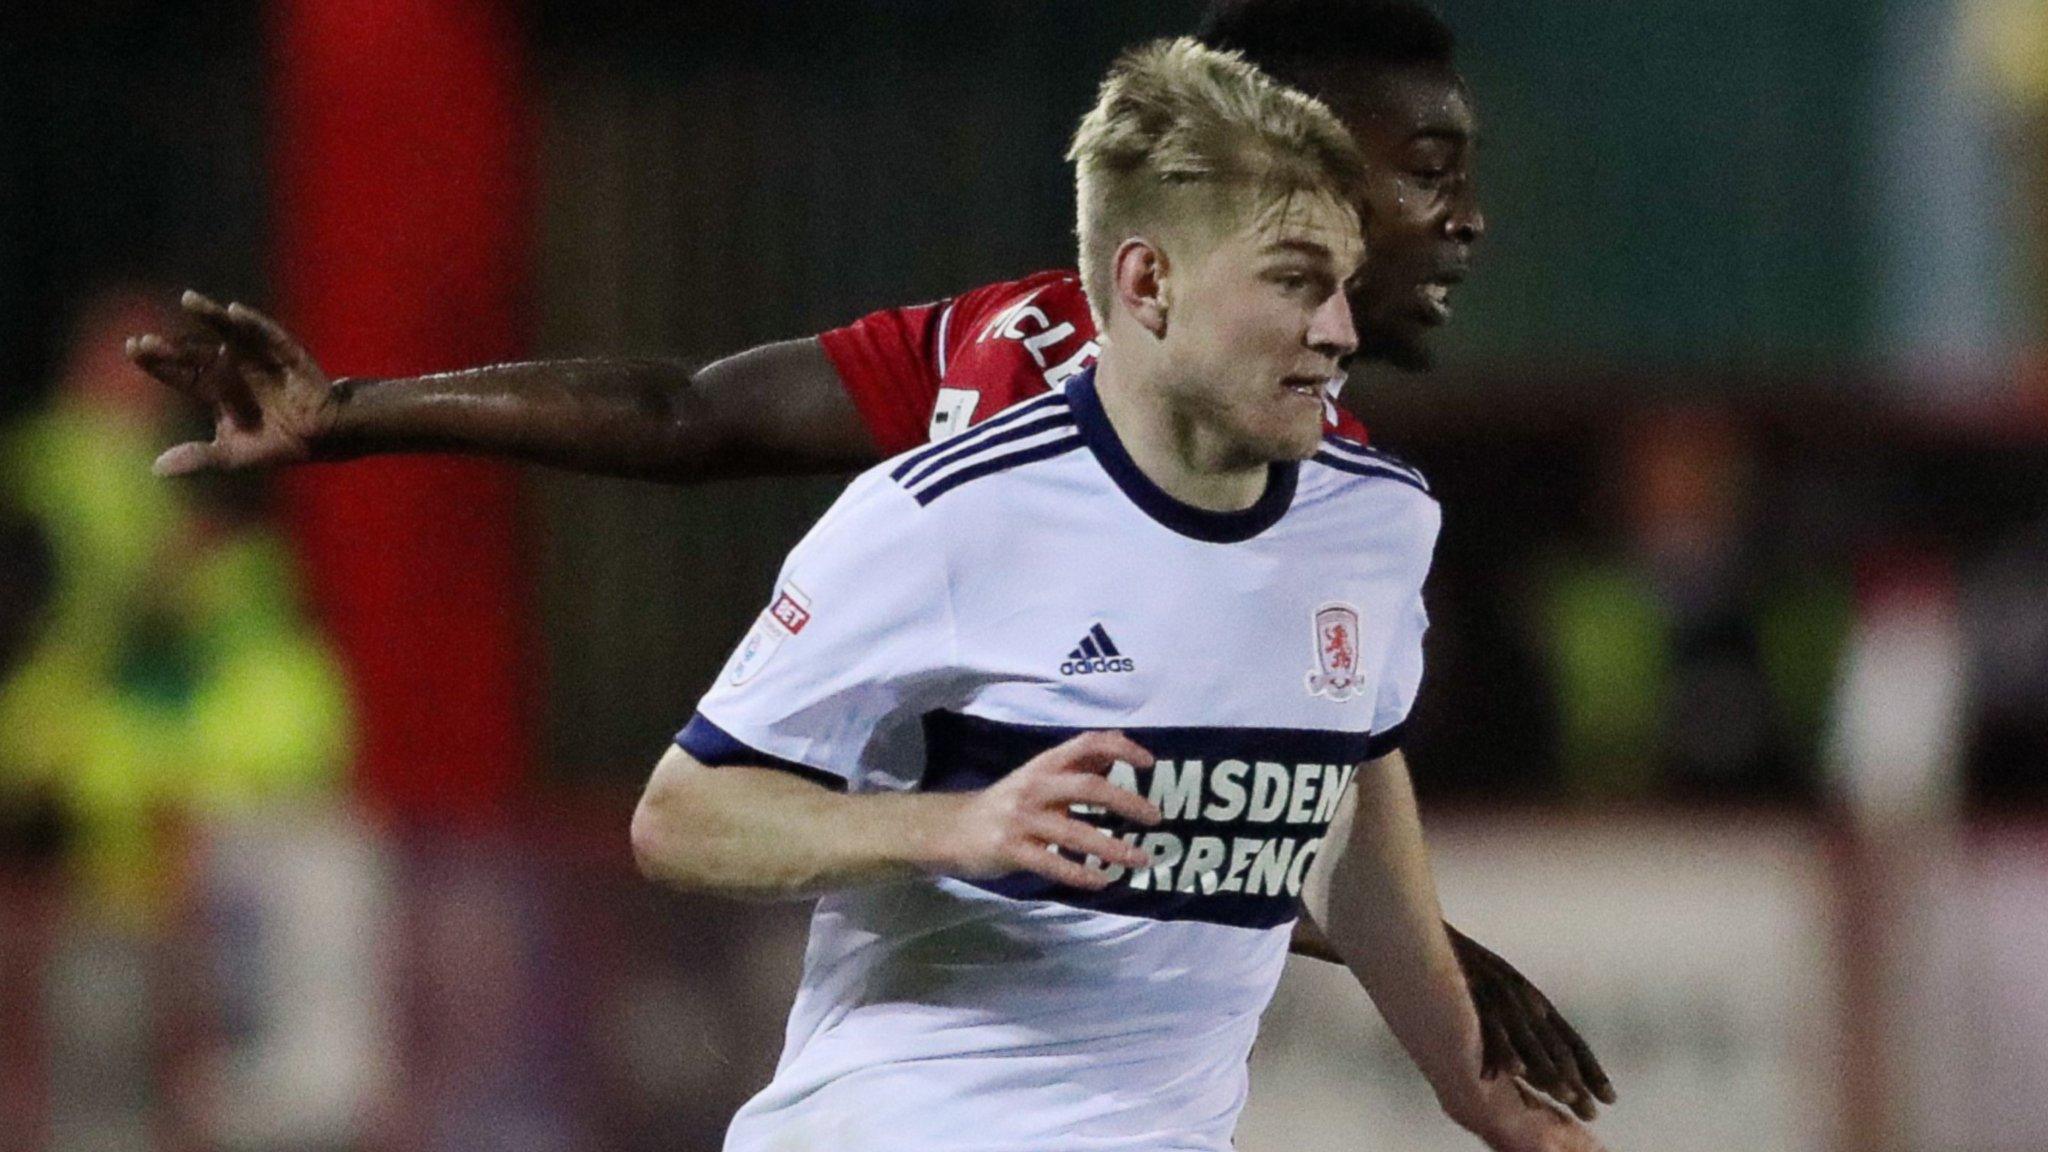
x=1372 y=892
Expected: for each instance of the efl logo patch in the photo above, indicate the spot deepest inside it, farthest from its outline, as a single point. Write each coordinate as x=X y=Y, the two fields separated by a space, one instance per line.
x=784 y=618
x=1336 y=640
x=792 y=609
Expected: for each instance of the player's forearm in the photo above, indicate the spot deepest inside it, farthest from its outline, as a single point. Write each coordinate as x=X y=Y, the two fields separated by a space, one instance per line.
x=773 y=410
x=618 y=417
x=1376 y=902
x=760 y=834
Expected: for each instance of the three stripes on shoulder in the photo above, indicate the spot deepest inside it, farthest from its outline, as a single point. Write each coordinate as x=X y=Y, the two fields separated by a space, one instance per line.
x=1347 y=455
x=1034 y=430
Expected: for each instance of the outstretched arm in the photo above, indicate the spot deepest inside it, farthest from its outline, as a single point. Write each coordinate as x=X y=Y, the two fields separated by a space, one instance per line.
x=776 y=409
x=1372 y=892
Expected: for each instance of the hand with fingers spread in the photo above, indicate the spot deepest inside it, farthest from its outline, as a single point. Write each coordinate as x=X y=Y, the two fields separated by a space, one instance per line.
x=1510 y=1118
x=269 y=400
x=1016 y=824
x=1524 y=1034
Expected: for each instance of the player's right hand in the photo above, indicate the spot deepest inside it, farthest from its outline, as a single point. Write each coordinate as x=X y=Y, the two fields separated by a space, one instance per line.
x=269 y=400
x=1014 y=824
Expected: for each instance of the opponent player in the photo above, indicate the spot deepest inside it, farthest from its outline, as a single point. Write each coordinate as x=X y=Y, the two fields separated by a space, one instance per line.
x=1036 y=934
x=894 y=378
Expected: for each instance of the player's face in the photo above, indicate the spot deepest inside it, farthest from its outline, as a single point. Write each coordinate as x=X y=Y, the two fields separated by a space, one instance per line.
x=1417 y=129
x=1260 y=324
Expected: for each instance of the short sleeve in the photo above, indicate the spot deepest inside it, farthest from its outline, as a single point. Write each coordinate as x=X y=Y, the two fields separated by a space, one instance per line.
x=1400 y=679
x=893 y=363
x=888 y=362
x=856 y=643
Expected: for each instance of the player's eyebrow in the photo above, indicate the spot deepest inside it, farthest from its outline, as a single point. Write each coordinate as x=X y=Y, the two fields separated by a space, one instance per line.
x=1315 y=251
x=1308 y=248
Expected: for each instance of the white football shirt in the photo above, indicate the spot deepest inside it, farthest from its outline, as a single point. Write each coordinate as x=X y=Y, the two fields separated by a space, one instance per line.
x=971 y=603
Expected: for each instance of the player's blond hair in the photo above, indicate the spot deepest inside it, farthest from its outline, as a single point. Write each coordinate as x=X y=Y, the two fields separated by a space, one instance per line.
x=1183 y=136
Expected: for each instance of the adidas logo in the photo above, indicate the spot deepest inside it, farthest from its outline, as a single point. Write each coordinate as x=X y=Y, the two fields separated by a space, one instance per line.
x=1096 y=653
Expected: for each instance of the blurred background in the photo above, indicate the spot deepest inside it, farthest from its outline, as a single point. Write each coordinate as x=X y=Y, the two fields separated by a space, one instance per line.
x=314 y=787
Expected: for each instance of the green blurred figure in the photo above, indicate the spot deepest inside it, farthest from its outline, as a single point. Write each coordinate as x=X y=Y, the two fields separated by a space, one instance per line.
x=1686 y=663
x=173 y=676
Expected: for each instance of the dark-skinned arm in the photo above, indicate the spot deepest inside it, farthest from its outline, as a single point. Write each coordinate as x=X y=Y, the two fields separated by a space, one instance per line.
x=1522 y=1032
x=776 y=409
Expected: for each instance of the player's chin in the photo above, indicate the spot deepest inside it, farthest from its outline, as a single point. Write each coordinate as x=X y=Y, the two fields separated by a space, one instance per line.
x=1296 y=438
x=1303 y=443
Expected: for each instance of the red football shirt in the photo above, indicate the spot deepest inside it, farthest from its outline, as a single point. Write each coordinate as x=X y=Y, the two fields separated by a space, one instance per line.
x=926 y=372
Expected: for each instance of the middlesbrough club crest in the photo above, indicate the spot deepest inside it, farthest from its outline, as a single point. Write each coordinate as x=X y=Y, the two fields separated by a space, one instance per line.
x=1336 y=637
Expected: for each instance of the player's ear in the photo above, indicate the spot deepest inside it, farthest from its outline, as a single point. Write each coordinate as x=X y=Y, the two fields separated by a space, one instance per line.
x=1141 y=267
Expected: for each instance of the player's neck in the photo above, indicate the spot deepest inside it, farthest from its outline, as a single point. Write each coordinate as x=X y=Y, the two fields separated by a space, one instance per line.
x=1187 y=459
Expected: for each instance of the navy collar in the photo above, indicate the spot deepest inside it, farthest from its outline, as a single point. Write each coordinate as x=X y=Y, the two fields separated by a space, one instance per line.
x=1154 y=501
